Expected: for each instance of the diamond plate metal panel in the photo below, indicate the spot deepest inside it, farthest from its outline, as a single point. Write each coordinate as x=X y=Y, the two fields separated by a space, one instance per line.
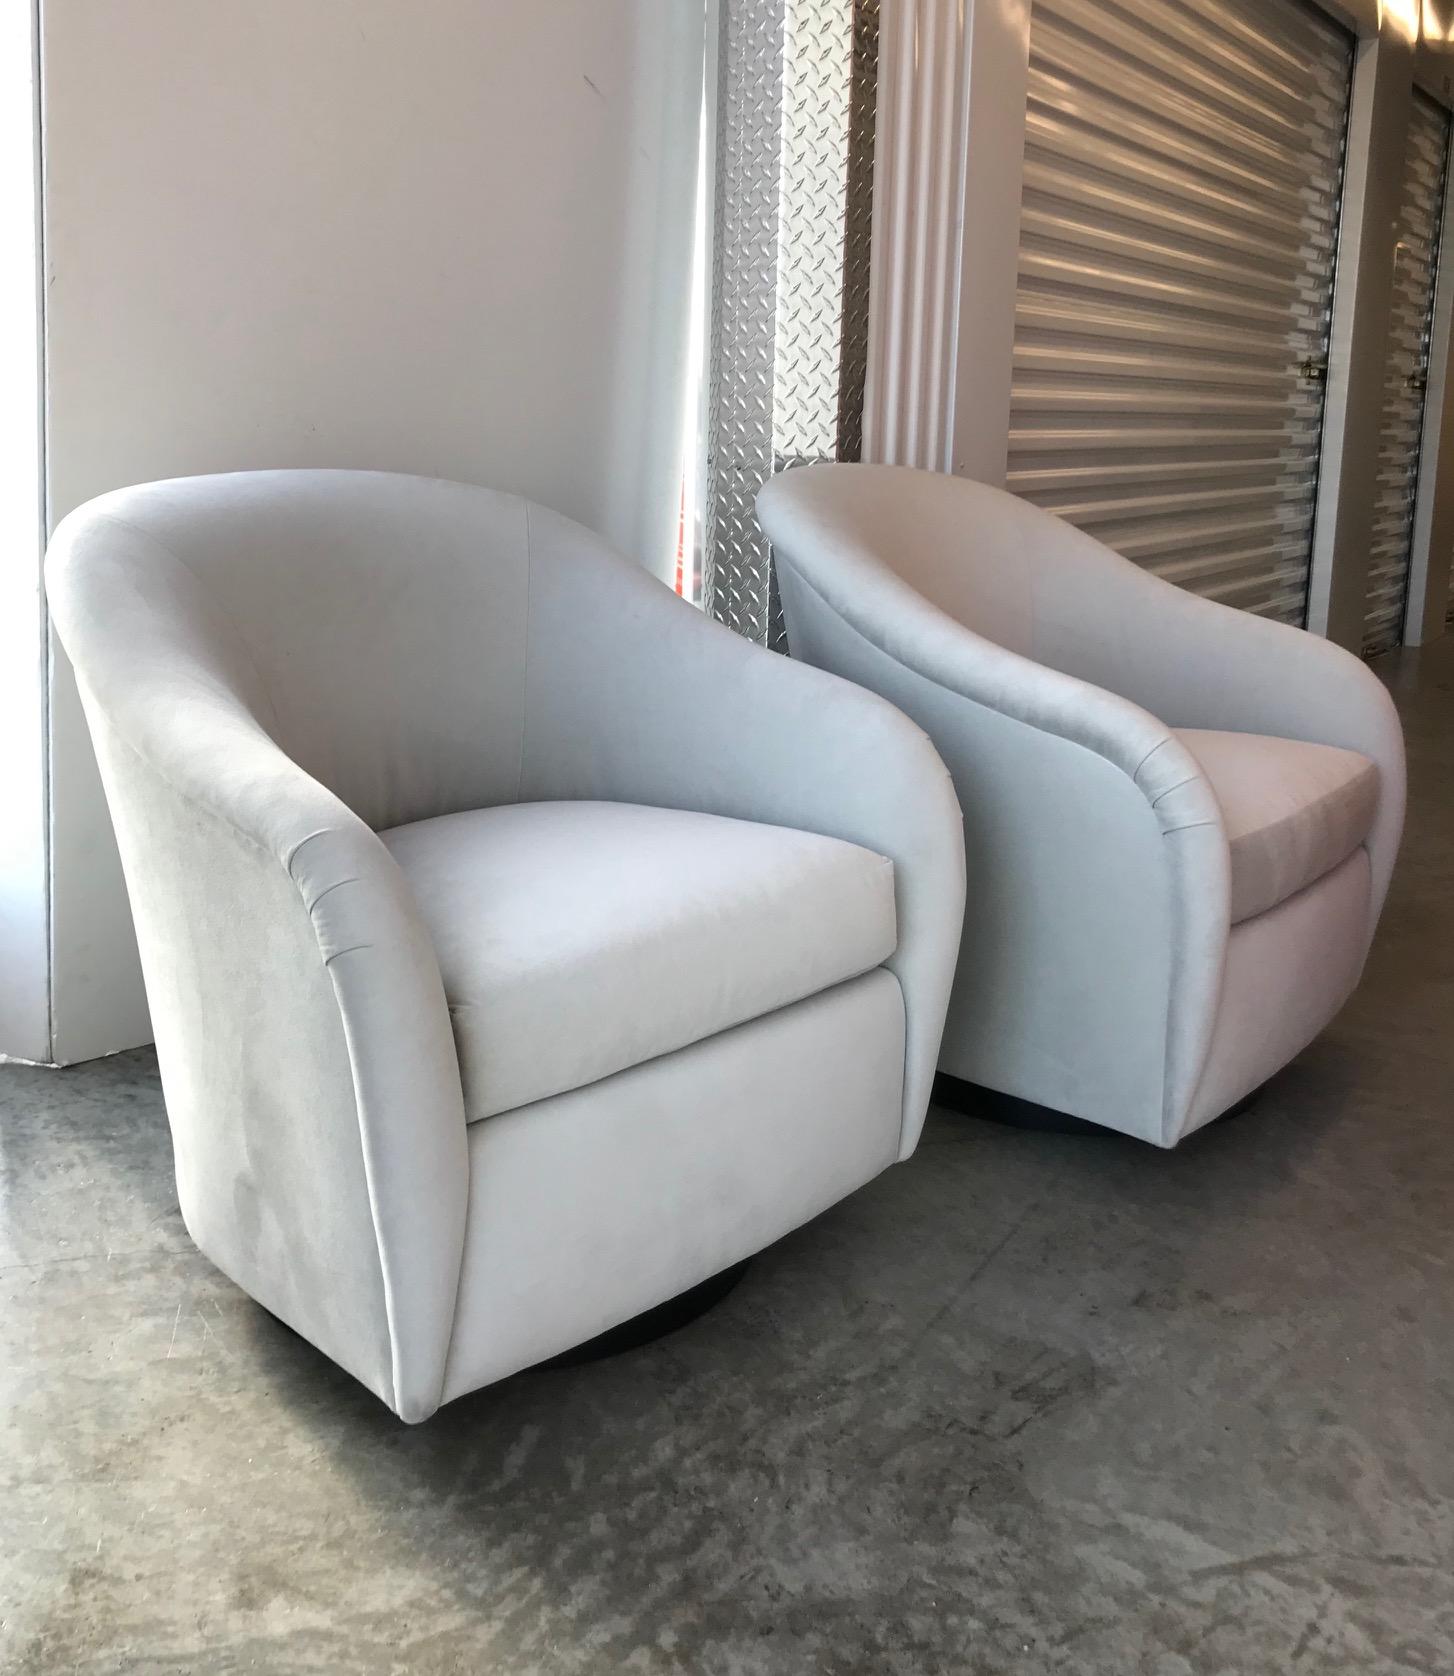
x=817 y=56
x=796 y=99
x=744 y=310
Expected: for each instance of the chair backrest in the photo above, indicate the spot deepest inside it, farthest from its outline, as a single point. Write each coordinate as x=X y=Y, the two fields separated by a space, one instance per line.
x=1009 y=571
x=373 y=624
x=952 y=541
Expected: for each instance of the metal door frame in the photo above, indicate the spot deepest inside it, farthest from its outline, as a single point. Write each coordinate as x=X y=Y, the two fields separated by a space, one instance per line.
x=1428 y=604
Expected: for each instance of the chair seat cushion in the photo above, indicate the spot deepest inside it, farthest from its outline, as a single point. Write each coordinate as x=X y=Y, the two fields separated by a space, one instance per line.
x=577 y=939
x=1293 y=811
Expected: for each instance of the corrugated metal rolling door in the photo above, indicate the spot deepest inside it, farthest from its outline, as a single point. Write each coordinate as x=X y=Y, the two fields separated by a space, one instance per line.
x=1183 y=171
x=1421 y=214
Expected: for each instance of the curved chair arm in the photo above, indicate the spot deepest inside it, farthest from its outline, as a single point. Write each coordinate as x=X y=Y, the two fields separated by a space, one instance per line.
x=1082 y=614
x=840 y=566
x=1200 y=664
x=312 y=1083
x=1091 y=823
x=634 y=695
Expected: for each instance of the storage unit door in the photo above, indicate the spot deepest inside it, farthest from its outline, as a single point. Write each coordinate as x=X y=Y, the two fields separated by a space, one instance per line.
x=1183 y=170
x=1400 y=447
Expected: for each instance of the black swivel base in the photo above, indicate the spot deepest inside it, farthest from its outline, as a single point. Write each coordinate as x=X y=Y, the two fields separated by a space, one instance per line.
x=1014 y=1113
x=653 y=1324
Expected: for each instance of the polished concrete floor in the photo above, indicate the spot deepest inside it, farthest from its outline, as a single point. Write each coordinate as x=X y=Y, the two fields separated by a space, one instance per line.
x=1030 y=1403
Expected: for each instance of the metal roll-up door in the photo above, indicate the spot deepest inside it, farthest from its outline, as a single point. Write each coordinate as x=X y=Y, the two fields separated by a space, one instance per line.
x=1421 y=215
x=1183 y=172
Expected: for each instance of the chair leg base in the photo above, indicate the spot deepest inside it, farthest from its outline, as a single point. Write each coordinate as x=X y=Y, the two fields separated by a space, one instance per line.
x=653 y=1324
x=1015 y=1113
x=1008 y=1109
x=1244 y=1104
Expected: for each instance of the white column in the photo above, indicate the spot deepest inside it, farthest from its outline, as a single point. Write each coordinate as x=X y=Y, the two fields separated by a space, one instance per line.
x=950 y=144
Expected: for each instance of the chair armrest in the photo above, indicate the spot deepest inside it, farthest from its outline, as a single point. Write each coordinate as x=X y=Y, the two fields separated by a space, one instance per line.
x=1198 y=664
x=1111 y=653
x=1085 y=814
x=1095 y=846
x=352 y=1121
x=1108 y=658
x=307 y=1057
x=634 y=696
x=841 y=571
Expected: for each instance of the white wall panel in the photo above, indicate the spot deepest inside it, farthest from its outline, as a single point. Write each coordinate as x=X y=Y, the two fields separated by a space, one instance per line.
x=452 y=239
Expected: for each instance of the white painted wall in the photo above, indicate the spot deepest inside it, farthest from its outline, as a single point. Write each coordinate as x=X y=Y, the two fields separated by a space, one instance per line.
x=452 y=238
x=24 y=1007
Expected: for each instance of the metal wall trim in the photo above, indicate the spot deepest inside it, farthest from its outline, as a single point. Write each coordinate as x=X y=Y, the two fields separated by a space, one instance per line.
x=792 y=232
x=1420 y=225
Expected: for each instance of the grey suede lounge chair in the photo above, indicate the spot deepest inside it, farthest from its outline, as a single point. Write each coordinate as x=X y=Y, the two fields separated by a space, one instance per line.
x=1180 y=819
x=522 y=947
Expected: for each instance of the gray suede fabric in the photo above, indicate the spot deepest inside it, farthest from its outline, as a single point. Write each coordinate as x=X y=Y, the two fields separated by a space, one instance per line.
x=633 y=697
x=779 y=1118
x=1291 y=811
x=576 y=939
x=1063 y=686
x=1287 y=971
x=277 y=665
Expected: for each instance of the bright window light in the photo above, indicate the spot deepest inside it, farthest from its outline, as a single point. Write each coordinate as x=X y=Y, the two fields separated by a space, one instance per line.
x=1404 y=16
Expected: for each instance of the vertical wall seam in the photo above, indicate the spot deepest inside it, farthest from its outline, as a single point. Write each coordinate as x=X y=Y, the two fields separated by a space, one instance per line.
x=43 y=521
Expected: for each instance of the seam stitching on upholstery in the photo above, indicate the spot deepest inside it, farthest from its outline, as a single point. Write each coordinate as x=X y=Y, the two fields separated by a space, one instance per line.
x=292 y=854
x=1191 y=779
x=338 y=954
x=1160 y=745
x=385 y=1280
x=330 y=890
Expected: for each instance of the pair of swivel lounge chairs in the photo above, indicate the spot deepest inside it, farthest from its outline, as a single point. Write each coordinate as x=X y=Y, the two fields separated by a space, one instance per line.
x=524 y=949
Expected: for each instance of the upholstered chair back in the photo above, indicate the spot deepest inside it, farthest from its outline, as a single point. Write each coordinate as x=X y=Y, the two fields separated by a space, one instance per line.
x=377 y=635
x=1007 y=570
x=977 y=571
